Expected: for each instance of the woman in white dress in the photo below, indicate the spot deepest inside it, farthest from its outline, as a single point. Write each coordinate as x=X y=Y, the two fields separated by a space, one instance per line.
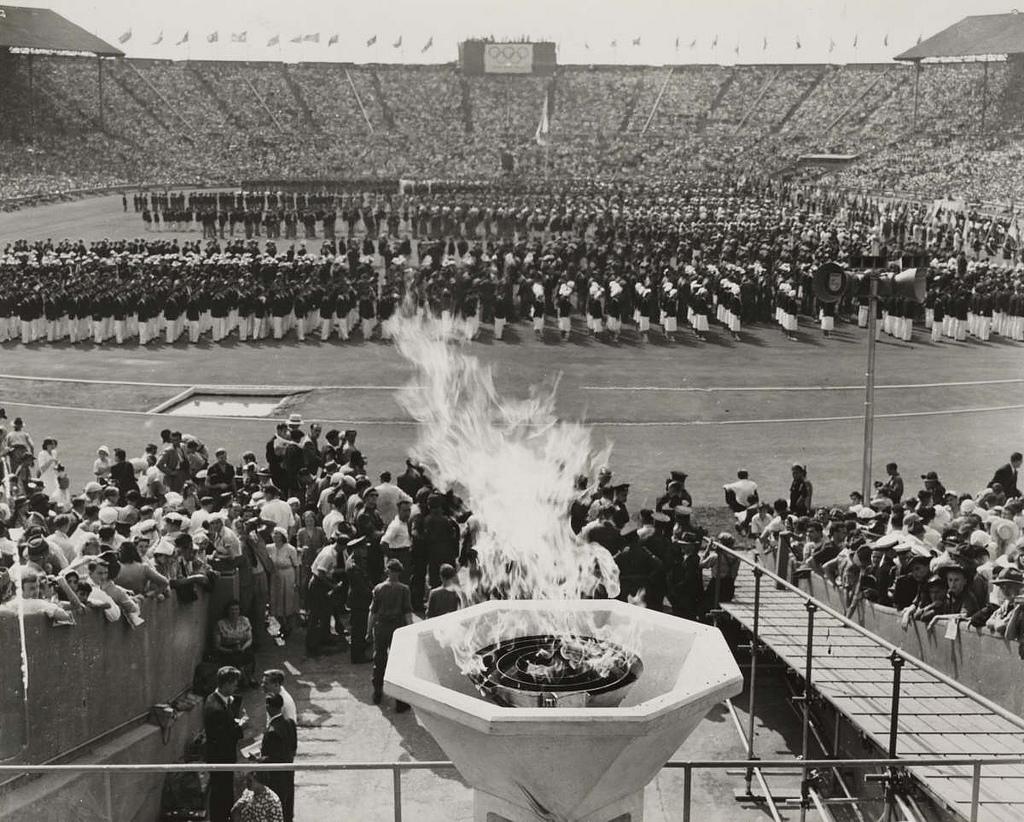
x=46 y=463
x=284 y=601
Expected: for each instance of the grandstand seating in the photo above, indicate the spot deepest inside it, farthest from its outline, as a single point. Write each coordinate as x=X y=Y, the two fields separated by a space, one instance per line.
x=206 y=122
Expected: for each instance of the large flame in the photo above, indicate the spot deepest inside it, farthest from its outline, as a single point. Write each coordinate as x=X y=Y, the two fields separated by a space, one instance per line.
x=514 y=465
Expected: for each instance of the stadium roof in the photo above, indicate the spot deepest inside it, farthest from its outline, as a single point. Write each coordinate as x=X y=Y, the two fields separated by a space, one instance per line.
x=22 y=27
x=973 y=36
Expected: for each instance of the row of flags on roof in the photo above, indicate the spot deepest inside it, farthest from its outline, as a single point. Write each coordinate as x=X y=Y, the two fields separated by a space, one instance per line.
x=798 y=44
x=243 y=37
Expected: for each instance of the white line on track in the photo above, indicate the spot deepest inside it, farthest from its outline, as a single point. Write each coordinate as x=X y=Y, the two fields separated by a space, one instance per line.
x=595 y=424
x=668 y=388
x=200 y=386
x=740 y=388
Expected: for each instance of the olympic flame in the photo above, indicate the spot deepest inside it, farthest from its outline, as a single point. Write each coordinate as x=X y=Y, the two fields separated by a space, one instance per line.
x=513 y=462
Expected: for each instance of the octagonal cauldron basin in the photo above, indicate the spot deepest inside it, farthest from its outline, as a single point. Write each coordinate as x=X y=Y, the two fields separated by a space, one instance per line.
x=571 y=764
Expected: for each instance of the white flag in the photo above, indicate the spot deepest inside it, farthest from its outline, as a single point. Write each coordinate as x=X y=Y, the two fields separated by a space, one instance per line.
x=543 y=127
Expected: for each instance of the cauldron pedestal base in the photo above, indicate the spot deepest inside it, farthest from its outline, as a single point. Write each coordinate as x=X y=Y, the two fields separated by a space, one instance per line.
x=489 y=808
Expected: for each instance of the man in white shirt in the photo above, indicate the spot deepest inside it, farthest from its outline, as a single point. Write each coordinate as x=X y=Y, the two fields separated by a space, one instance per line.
x=397 y=540
x=335 y=516
x=275 y=509
x=741 y=496
x=273 y=683
x=59 y=540
x=388 y=497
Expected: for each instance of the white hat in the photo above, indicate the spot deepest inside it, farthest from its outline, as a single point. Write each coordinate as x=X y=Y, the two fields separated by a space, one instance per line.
x=294 y=420
x=108 y=515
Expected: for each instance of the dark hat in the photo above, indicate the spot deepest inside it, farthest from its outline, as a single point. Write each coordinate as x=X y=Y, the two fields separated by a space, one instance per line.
x=678 y=476
x=918 y=559
x=394 y=566
x=948 y=567
x=621 y=487
x=1009 y=576
x=931 y=475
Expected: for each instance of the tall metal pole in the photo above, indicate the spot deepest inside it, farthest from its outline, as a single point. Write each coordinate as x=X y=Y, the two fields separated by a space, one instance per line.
x=917 y=84
x=99 y=85
x=984 y=97
x=754 y=647
x=805 y=784
x=869 y=387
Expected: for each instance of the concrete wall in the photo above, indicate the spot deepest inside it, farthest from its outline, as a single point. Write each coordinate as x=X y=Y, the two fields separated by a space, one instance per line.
x=87 y=679
x=106 y=798
x=981 y=660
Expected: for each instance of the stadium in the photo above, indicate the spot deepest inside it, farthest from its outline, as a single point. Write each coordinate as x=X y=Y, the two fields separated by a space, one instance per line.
x=496 y=283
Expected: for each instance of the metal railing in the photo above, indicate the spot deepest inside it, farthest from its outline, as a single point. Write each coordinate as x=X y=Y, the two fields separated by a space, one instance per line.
x=897 y=657
x=688 y=766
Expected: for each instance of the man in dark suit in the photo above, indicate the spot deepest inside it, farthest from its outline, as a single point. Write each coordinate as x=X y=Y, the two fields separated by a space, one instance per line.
x=222 y=724
x=1006 y=475
x=279 y=744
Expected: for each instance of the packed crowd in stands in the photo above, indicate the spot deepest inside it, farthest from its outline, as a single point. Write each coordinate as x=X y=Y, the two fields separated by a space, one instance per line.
x=220 y=123
x=310 y=533
x=326 y=264
x=934 y=554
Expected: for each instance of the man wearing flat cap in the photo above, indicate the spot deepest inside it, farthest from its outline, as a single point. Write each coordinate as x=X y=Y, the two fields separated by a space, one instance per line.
x=390 y=609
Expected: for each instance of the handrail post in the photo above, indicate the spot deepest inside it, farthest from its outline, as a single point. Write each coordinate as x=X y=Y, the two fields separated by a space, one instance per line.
x=754 y=648
x=975 y=791
x=806 y=699
x=897 y=661
x=687 y=786
x=396 y=776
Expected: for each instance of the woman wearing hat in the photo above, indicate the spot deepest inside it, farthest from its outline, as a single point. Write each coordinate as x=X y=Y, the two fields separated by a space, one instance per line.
x=1006 y=619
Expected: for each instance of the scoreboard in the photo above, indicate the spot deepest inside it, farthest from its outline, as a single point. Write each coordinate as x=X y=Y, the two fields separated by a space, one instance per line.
x=486 y=57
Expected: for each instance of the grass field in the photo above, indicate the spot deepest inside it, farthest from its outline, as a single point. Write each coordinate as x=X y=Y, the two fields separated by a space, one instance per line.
x=707 y=409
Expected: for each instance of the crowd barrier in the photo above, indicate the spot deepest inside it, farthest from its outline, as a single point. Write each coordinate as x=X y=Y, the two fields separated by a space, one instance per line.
x=94 y=679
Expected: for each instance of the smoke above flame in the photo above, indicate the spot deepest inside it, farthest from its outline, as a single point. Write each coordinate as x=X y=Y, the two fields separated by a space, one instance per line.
x=513 y=462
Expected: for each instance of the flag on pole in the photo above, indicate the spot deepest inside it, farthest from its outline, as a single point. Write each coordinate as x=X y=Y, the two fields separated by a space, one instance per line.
x=615 y=44
x=332 y=39
x=693 y=43
x=798 y=46
x=184 y=39
x=311 y=38
x=240 y=37
x=677 y=42
x=764 y=44
x=124 y=38
x=736 y=50
x=159 y=38
x=212 y=38
x=429 y=44
x=636 y=41
x=398 y=43
x=831 y=45
x=855 y=38
x=885 y=42
x=586 y=45
x=371 y=41
x=273 y=41
x=544 y=126
x=714 y=43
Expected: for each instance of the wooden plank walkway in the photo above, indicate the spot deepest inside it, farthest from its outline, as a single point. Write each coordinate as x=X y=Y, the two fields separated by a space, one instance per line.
x=855 y=676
